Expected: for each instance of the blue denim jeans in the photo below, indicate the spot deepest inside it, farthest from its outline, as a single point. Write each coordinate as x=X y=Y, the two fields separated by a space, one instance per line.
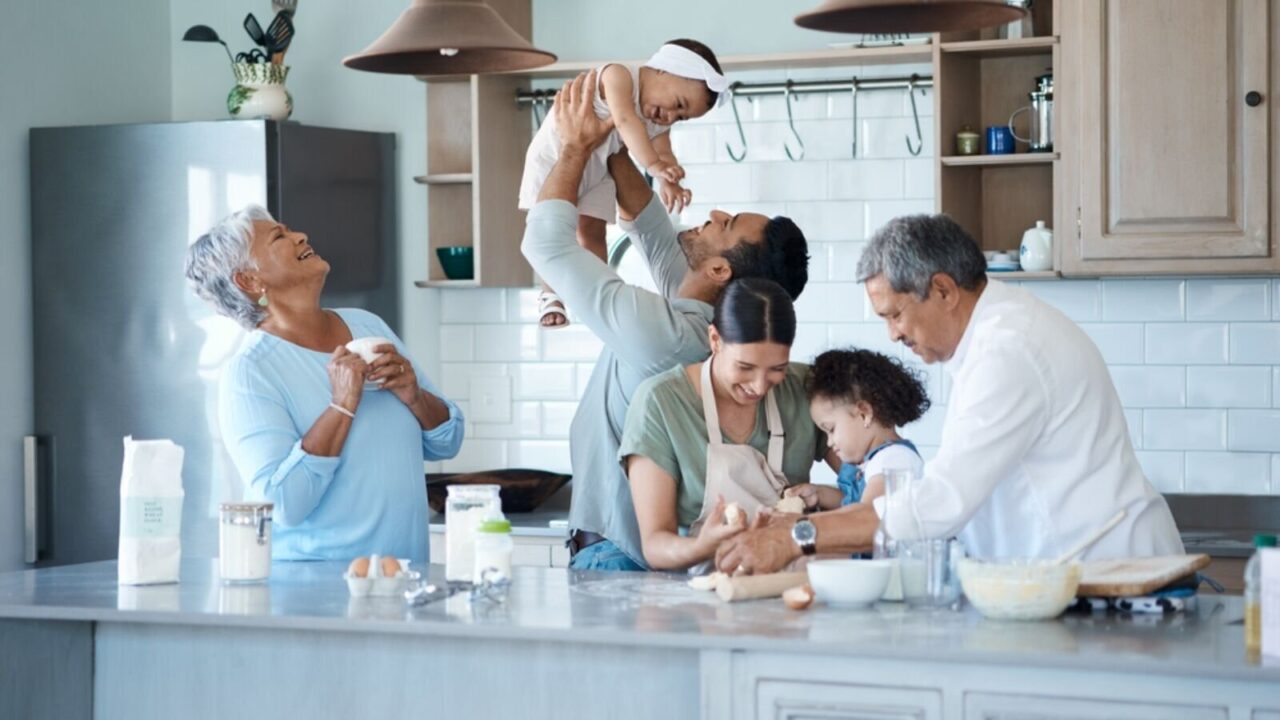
x=604 y=555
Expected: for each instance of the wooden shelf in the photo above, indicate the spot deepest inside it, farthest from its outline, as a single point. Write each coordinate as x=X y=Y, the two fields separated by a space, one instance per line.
x=1024 y=275
x=1002 y=48
x=839 y=57
x=1044 y=158
x=443 y=179
x=446 y=284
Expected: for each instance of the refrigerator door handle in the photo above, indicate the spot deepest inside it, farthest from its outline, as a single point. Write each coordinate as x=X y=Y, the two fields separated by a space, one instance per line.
x=31 y=497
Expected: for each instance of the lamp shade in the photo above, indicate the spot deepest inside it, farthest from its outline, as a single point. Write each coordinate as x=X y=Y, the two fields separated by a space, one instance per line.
x=449 y=37
x=908 y=16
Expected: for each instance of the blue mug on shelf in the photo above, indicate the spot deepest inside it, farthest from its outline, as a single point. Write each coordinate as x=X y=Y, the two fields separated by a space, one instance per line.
x=999 y=140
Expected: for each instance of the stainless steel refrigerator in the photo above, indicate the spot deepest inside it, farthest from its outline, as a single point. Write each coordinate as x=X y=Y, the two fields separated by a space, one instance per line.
x=121 y=344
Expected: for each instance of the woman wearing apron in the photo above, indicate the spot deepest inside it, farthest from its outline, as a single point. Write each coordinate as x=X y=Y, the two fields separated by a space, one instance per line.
x=733 y=429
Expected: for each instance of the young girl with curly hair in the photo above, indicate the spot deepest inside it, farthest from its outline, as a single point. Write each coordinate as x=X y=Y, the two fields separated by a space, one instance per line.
x=860 y=398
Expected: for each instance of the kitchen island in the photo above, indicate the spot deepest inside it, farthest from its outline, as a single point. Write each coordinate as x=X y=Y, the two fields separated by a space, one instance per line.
x=572 y=644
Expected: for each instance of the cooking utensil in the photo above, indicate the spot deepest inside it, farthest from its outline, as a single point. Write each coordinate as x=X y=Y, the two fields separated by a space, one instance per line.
x=254 y=30
x=1093 y=537
x=253 y=56
x=204 y=33
x=750 y=587
x=279 y=35
x=1133 y=577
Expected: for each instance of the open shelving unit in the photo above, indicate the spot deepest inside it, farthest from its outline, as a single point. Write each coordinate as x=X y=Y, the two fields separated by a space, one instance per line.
x=979 y=82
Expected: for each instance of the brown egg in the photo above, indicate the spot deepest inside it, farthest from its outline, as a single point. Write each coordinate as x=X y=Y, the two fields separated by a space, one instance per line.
x=390 y=567
x=359 y=567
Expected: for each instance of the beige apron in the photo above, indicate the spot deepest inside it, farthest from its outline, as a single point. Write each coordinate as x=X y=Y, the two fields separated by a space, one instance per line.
x=739 y=473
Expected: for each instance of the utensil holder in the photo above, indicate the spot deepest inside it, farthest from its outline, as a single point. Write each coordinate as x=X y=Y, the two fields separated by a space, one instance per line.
x=259 y=92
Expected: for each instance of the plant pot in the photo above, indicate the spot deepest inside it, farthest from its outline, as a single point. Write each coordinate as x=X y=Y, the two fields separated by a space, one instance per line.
x=259 y=92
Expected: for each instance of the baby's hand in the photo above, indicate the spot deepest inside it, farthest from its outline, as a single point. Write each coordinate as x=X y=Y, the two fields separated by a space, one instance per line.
x=674 y=197
x=668 y=171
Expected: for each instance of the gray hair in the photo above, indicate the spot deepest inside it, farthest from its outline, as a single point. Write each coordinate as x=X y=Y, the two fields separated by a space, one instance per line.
x=214 y=259
x=911 y=249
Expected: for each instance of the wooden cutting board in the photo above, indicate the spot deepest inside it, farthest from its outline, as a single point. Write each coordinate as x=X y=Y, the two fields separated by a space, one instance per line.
x=1132 y=577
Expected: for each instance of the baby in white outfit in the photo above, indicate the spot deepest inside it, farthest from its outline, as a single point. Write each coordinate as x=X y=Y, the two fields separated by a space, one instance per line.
x=681 y=81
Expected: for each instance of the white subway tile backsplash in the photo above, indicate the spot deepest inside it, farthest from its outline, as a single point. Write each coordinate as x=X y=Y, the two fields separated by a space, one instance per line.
x=871 y=336
x=526 y=421
x=830 y=221
x=819 y=261
x=1275 y=387
x=1229 y=473
x=764 y=142
x=1253 y=430
x=844 y=263
x=455 y=378
x=457 y=343
x=830 y=302
x=1163 y=469
x=868 y=180
x=477 y=454
x=1275 y=299
x=550 y=455
x=509 y=343
x=1119 y=343
x=1142 y=300
x=919 y=178
x=811 y=339
x=928 y=429
x=1150 y=386
x=886 y=137
x=1275 y=474
x=788 y=181
x=557 y=417
x=1186 y=343
x=573 y=343
x=1255 y=343
x=694 y=144
x=583 y=375
x=1184 y=430
x=880 y=212
x=479 y=306
x=718 y=184
x=1080 y=300
x=1228 y=387
x=545 y=381
x=522 y=305
x=1227 y=299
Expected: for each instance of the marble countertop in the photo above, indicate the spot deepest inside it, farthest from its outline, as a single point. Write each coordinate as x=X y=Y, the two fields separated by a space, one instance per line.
x=650 y=609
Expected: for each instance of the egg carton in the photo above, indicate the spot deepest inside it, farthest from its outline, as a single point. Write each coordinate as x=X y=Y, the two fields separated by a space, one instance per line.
x=378 y=585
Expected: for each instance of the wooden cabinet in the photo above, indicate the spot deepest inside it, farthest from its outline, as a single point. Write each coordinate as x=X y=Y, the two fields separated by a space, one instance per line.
x=1166 y=128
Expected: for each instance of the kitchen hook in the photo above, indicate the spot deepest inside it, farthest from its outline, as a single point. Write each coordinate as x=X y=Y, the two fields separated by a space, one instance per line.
x=791 y=123
x=742 y=137
x=538 y=117
x=853 y=95
x=915 y=115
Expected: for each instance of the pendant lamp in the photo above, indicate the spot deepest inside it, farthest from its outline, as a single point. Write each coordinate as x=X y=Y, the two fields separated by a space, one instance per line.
x=449 y=37
x=908 y=16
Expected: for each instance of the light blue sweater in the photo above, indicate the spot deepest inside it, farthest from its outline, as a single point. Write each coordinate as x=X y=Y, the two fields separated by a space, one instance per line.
x=372 y=497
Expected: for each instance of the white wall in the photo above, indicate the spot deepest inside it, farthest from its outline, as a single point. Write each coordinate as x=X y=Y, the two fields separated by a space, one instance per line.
x=60 y=64
x=326 y=94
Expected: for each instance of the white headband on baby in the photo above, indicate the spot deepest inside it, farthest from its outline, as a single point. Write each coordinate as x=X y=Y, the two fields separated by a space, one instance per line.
x=686 y=63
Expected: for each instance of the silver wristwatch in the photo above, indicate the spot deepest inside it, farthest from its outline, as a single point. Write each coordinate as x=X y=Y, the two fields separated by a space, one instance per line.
x=806 y=536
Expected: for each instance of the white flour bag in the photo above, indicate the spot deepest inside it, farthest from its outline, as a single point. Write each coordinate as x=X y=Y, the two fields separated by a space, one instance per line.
x=150 y=512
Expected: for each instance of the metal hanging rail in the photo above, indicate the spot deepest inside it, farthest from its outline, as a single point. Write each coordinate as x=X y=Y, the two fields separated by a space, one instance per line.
x=541 y=100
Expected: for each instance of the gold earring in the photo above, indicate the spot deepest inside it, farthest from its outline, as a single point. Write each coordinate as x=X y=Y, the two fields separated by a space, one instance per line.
x=262 y=299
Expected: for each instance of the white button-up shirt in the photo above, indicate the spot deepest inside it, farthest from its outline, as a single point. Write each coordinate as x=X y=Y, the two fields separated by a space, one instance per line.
x=1035 y=450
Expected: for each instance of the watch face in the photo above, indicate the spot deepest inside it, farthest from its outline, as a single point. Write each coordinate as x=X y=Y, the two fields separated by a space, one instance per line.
x=803 y=532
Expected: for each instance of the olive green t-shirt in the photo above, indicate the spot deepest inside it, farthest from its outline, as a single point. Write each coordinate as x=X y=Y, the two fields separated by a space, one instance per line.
x=665 y=424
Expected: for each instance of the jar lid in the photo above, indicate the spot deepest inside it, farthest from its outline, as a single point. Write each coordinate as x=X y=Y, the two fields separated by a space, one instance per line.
x=246 y=506
x=495 y=525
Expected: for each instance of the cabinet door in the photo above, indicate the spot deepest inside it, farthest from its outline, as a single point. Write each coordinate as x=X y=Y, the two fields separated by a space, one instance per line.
x=1170 y=161
x=788 y=700
x=985 y=706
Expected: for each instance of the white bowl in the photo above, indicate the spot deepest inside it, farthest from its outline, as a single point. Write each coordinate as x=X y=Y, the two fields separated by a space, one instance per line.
x=1019 y=589
x=847 y=582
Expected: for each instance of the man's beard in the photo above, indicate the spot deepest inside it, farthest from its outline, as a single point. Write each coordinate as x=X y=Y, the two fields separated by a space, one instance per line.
x=689 y=246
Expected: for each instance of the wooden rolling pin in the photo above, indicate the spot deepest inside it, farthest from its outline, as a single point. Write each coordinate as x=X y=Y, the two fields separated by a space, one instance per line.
x=750 y=587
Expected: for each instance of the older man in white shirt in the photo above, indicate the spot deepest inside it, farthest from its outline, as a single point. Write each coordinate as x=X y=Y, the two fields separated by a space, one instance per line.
x=1035 y=452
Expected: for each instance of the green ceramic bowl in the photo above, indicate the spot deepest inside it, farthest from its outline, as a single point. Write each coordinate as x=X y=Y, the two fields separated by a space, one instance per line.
x=458 y=262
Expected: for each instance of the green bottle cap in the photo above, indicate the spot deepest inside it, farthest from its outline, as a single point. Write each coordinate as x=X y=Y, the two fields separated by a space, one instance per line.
x=1262 y=540
x=502 y=525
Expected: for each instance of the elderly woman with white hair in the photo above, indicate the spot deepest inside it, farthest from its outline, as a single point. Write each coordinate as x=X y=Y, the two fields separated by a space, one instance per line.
x=336 y=443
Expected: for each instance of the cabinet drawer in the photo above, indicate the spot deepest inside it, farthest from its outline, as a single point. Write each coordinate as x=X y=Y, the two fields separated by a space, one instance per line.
x=986 y=706
x=790 y=700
